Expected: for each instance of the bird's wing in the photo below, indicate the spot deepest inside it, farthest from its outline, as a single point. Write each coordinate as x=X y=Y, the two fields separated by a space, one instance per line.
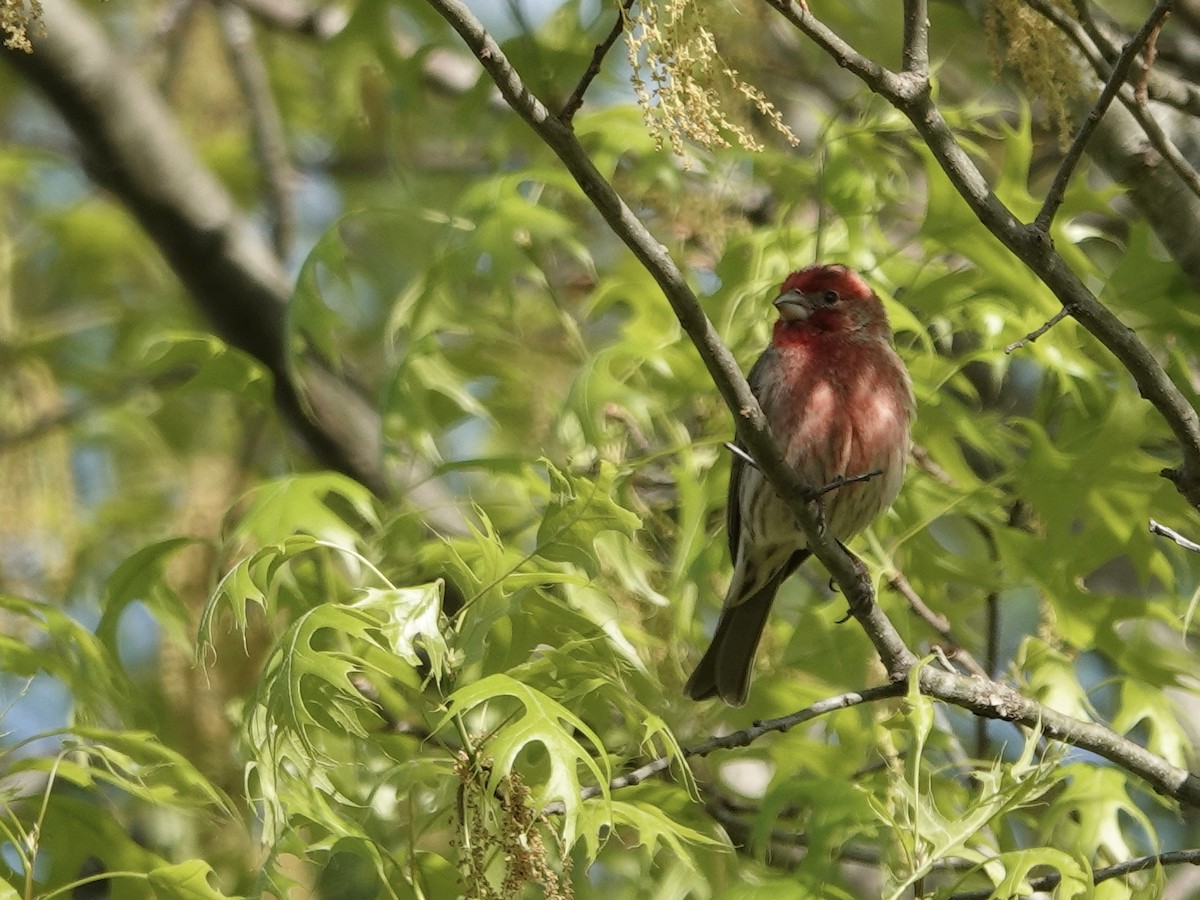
x=733 y=508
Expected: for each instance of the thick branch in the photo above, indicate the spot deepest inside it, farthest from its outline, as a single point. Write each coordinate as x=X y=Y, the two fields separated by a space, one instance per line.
x=742 y=738
x=131 y=146
x=994 y=700
x=916 y=37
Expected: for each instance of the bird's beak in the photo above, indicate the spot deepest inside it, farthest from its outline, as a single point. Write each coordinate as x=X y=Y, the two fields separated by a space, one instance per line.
x=793 y=306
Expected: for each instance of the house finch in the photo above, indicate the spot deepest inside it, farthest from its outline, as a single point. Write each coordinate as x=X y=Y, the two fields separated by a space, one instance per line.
x=838 y=400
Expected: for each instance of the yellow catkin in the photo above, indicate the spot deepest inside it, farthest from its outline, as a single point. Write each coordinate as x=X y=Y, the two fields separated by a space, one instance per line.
x=501 y=834
x=686 y=90
x=17 y=17
x=1022 y=39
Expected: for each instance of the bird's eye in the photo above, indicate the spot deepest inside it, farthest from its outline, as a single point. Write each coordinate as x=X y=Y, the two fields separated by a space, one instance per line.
x=831 y=297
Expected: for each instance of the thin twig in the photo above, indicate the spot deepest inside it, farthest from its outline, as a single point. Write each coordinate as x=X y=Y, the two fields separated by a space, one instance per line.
x=1148 y=62
x=266 y=124
x=1097 y=54
x=741 y=454
x=1140 y=864
x=843 y=480
x=916 y=38
x=1185 y=543
x=1037 y=332
x=742 y=738
x=576 y=99
x=1118 y=76
x=939 y=623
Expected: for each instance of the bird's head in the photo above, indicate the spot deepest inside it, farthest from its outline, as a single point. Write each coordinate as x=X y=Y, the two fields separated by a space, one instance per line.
x=830 y=299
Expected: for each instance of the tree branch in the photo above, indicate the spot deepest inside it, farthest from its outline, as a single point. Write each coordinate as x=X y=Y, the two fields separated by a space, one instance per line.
x=916 y=38
x=131 y=146
x=576 y=99
x=1116 y=79
x=901 y=585
x=266 y=125
x=1140 y=864
x=994 y=700
x=1168 y=196
x=742 y=738
x=1037 y=332
x=1186 y=543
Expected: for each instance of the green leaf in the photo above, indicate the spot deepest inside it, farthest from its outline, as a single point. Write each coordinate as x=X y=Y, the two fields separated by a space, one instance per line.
x=308 y=685
x=649 y=825
x=185 y=881
x=136 y=762
x=252 y=580
x=413 y=620
x=140 y=578
x=579 y=511
x=1015 y=868
x=202 y=362
x=322 y=504
x=539 y=720
x=60 y=646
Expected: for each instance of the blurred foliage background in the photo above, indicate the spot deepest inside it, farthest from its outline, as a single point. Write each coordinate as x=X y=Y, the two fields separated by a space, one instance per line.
x=227 y=671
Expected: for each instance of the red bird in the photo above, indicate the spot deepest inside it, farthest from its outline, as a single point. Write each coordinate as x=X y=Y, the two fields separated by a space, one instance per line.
x=839 y=402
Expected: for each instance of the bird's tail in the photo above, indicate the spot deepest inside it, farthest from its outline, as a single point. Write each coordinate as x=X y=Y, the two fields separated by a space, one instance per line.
x=724 y=670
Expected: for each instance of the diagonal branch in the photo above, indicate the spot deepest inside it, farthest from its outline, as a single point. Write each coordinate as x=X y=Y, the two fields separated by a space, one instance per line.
x=266 y=124
x=131 y=146
x=1116 y=79
x=1120 y=870
x=1165 y=531
x=897 y=581
x=576 y=99
x=1096 y=57
x=1037 y=332
x=742 y=738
